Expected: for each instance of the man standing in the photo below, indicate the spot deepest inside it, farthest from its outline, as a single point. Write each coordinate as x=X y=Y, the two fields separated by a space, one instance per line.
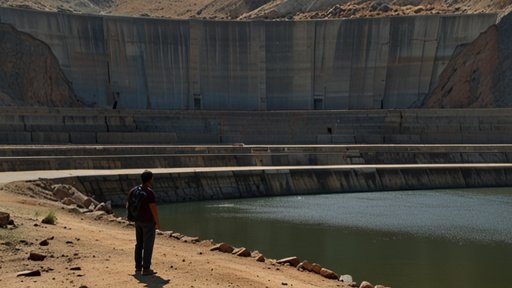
x=146 y=223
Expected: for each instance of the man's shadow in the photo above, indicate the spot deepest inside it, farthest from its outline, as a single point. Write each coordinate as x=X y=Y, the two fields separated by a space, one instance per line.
x=151 y=281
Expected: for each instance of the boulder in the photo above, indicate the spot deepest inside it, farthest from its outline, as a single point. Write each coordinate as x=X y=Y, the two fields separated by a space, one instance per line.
x=366 y=284
x=101 y=207
x=243 y=252
x=61 y=191
x=108 y=206
x=346 y=278
x=316 y=268
x=177 y=235
x=36 y=256
x=306 y=265
x=223 y=247
x=89 y=202
x=188 y=239
x=293 y=261
x=29 y=273
x=80 y=199
x=328 y=274
x=260 y=258
x=68 y=201
x=44 y=243
x=4 y=218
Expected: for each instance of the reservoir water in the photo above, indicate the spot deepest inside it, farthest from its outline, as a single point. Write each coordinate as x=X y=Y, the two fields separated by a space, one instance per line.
x=420 y=239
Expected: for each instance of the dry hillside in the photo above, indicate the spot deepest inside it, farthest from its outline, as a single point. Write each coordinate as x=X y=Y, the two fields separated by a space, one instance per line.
x=29 y=72
x=74 y=6
x=479 y=75
x=265 y=9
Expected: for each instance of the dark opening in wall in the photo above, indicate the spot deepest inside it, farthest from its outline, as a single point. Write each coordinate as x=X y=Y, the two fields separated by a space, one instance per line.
x=318 y=103
x=197 y=103
x=329 y=130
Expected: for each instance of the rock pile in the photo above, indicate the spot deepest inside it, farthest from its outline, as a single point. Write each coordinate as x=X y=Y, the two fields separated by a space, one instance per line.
x=292 y=262
x=69 y=195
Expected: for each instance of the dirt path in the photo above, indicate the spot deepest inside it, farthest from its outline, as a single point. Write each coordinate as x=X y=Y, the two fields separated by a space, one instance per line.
x=103 y=250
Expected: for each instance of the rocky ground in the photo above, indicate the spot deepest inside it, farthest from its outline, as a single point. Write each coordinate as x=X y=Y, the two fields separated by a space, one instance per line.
x=95 y=249
x=266 y=9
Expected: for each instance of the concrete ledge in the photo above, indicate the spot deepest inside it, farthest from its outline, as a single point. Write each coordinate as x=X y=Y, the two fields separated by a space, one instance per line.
x=26 y=158
x=206 y=184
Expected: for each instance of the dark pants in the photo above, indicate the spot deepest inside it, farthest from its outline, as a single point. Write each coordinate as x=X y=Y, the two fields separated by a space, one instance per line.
x=145 y=235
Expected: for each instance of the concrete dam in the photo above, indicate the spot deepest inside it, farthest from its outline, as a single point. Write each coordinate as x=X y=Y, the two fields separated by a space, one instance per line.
x=367 y=72
x=143 y=63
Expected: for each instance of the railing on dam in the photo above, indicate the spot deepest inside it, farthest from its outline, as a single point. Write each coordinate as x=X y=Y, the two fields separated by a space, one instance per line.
x=142 y=63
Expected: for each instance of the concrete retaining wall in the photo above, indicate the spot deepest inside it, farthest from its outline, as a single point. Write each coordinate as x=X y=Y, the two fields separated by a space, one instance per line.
x=257 y=65
x=410 y=126
x=179 y=187
x=115 y=157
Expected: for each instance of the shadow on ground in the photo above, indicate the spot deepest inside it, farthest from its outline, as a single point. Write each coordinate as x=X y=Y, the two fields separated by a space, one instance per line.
x=152 y=281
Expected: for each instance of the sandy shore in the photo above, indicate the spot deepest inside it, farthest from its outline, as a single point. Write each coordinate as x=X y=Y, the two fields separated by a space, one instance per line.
x=103 y=251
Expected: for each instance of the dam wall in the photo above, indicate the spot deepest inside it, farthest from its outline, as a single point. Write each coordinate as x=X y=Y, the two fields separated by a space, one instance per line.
x=196 y=186
x=103 y=126
x=146 y=63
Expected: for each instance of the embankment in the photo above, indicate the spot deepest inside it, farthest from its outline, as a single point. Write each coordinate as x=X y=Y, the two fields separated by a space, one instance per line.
x=201 y=184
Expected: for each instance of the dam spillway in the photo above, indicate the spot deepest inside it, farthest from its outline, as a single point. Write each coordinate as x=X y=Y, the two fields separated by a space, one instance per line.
x=145 y=63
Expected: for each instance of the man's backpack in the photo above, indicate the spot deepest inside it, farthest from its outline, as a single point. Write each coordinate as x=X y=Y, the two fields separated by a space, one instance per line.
x=135 y=200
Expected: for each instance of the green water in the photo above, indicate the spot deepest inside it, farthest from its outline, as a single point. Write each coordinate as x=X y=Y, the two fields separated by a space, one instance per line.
x=420 y=239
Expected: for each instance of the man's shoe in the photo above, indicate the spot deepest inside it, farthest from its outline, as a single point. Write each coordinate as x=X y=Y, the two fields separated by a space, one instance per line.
x=138 y=271
x=148 y=272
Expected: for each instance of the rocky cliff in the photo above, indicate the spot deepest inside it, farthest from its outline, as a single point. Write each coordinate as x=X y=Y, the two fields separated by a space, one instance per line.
x=479 y=75
x=30 y=74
